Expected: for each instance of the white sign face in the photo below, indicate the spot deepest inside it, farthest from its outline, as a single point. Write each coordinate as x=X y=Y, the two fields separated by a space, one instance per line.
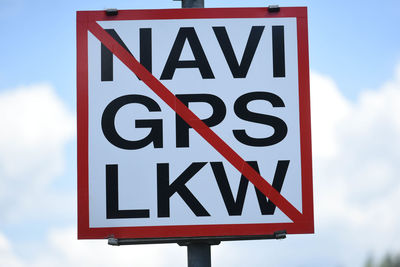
x=213 y=142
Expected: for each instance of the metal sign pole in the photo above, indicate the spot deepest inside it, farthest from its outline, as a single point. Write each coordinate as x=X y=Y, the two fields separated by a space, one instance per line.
x=199 y=252
x=199 y=255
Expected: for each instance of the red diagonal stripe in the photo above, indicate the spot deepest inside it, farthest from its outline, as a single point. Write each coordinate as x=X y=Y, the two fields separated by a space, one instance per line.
x=199 y=126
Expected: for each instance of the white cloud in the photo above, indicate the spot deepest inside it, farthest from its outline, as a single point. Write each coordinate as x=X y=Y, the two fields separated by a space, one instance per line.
x=99 y=253
x=367 y=139
x=61 y=248
x=329 y=108
x=357 y=187
x=7 y=257
x=36 y=125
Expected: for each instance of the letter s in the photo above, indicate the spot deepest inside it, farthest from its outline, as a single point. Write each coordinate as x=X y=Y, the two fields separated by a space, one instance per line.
x=280 y=127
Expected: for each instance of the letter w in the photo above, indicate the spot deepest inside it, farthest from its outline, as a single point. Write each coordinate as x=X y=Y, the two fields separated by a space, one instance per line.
x=235 y=207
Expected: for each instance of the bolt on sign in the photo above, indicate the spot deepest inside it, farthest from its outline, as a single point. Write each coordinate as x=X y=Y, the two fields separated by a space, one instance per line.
x=193 y=123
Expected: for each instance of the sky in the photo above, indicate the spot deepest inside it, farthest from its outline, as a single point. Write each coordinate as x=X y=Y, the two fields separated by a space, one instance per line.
x=355 y=90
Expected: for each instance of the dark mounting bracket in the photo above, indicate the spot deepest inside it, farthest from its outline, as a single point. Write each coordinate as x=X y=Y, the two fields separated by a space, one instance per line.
x=193 y=240
x=111 y=12
x=274 y=8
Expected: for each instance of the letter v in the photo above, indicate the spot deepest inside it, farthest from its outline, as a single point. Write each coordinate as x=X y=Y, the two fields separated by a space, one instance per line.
x=239 y=71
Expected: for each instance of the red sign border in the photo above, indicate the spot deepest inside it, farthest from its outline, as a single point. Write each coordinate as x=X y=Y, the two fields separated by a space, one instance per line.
x=303 y=223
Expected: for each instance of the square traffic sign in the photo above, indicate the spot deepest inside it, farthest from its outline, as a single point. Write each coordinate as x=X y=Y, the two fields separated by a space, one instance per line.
x=193 y=123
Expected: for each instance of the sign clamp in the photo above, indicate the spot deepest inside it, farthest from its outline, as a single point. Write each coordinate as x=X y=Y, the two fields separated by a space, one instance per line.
x=274 y=8
x=111 y=12
x=278 y=235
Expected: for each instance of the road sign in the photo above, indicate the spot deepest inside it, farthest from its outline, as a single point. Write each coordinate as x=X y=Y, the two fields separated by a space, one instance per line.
x=193 y=123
